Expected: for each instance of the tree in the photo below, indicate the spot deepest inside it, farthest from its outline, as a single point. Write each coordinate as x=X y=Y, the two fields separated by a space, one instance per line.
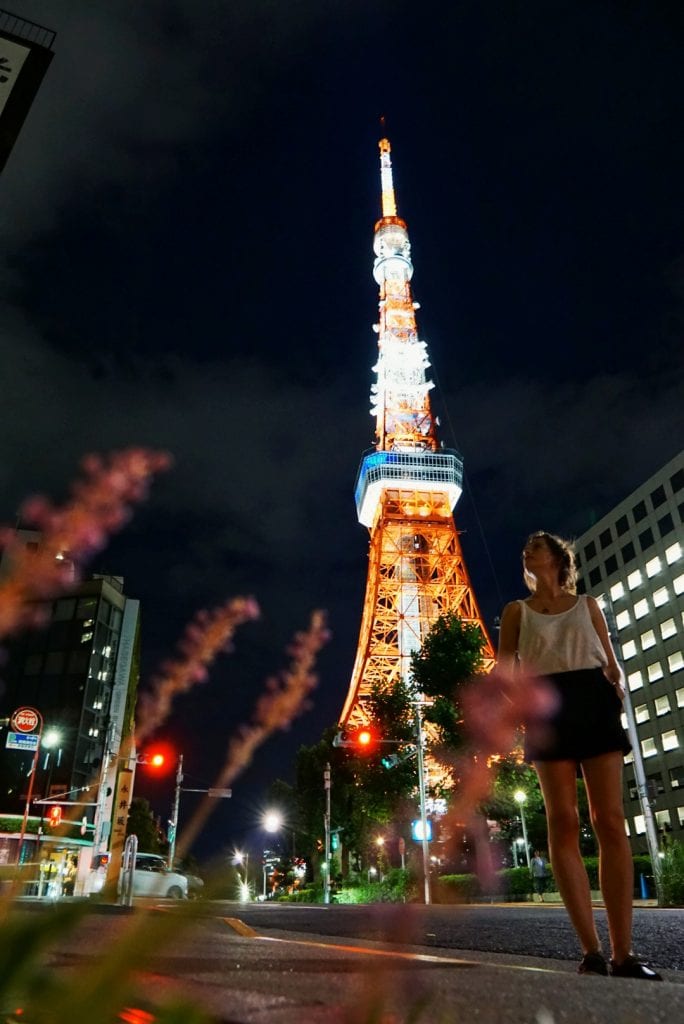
x=143 y=824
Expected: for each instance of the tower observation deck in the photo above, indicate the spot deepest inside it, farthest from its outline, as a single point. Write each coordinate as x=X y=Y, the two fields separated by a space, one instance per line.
x=406 y=487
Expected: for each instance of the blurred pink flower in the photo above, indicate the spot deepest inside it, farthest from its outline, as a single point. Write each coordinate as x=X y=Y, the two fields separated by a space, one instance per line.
x=70 y=534
x=205 y=637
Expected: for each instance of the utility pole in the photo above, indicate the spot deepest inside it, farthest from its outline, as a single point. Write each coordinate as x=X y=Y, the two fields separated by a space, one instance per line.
x=173 y=824
x=326 y=876
x=423 y=809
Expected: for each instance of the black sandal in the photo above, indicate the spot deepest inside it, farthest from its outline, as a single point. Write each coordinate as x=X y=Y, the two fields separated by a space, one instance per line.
x=593 y=963
x=633 y=968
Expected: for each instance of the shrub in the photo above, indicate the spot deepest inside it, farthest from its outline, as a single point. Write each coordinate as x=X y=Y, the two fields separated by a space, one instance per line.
x=457 y=888
x=672 y=874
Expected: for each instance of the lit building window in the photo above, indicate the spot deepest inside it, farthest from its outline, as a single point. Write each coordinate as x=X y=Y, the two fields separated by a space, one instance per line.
x=648 y=747
x=634 y=579
x=641 y=609
x=85 y=637
x=679 y=694
x=655 y=672
x=617 y=591
x=639 y=825
x=660 y=597
x=678 y=584
x=622 y=620
x=680 y=815
x=667 y=628
x=629 y=758
x=635 y=680
x=670 y=740
x=647 y=639
x=673 y=553
x=641 y=713
x=663 y=821
x=675 y=661
x=628 y=649
x=653 y=567
x=662 y=705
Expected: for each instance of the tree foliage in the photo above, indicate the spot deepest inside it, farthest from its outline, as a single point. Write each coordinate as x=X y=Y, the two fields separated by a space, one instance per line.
x=450 y=655
x=143 y=824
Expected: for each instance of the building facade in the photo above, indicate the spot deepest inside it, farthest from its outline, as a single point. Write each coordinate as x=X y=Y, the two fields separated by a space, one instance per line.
x=633 y=560
x=80 y=672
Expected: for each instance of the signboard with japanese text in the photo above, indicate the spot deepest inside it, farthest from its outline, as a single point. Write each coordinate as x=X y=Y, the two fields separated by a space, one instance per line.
x=22 y=741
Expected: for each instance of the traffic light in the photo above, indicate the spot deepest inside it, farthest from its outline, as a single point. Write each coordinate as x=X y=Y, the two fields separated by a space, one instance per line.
x=158 y=759
x=363 y=740
x=55 y=816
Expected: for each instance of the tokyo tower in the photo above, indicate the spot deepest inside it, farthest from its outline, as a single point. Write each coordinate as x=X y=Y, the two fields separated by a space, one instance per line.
x=406 y=487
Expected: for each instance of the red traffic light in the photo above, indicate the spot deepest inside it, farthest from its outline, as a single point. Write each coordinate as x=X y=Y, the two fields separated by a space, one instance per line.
x=158 y=759
x=55 y=816
x=365 y=738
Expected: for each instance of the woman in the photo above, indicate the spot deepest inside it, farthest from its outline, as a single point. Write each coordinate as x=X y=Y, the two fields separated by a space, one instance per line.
x=564 y=637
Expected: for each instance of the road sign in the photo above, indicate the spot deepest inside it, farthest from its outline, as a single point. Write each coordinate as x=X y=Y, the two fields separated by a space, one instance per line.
x=22 y=741
x=220 y=794
x=25 y=720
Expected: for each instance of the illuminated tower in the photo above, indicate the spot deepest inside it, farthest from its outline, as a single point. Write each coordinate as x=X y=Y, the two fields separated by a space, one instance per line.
x=406 y=488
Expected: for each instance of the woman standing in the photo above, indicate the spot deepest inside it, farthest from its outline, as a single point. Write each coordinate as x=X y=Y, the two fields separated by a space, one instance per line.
x=563 y=637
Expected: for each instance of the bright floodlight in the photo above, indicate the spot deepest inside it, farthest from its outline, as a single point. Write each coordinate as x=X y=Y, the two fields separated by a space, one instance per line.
x=272 y=821
x=52 y=738
x=519 y=796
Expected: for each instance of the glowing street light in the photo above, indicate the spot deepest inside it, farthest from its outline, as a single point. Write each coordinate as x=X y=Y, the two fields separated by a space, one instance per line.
x=272 y=821
x=520 y=797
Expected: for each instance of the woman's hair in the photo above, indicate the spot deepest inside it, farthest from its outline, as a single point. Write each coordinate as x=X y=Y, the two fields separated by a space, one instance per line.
x=565 y=555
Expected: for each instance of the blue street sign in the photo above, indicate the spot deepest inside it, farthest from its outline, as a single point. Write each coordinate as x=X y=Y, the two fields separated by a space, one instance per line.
x=22 y=740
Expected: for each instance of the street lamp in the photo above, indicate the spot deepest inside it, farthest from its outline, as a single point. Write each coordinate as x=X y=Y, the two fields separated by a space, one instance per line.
x=272 y=821
x=241 y=859
x=520 y=797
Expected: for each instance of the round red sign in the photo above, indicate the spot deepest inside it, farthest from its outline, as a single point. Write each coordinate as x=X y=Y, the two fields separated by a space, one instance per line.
x=25 y=720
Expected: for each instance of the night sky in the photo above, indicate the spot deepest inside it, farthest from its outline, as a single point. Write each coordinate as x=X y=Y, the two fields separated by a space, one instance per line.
x=187 y=224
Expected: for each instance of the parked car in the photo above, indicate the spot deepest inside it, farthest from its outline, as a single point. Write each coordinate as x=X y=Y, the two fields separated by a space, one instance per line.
x=195 y=884
x=151 y=877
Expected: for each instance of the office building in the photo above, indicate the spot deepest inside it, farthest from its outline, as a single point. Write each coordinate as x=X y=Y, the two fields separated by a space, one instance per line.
x=633 y=558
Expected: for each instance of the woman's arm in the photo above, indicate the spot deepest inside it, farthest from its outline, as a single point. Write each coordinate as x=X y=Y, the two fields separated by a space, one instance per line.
x=612 y=670
x=509 y=633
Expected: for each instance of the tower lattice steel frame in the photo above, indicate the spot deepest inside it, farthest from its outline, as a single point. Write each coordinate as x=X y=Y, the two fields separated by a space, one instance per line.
x=406 y=488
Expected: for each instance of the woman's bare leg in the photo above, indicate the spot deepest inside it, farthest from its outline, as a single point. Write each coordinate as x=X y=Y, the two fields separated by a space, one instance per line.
x=603 y=778
x=558 y=780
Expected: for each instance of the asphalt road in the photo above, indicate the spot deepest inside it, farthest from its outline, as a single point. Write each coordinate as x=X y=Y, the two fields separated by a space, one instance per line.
x=276 y=964
x=525 y=930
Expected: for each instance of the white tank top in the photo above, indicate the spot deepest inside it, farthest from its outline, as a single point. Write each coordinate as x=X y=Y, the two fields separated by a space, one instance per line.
x=559 y=643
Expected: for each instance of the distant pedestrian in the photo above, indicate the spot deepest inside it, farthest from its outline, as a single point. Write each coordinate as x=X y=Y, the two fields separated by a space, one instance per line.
x=564 y=638
x=540 y=874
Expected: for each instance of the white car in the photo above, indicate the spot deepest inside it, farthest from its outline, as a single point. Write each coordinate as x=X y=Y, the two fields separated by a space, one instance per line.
x=151 y=877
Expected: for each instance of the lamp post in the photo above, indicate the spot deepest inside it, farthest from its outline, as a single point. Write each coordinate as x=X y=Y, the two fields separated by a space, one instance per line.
x=272 y=821
x=520 y=797
x=51 y=739
x=241 y=859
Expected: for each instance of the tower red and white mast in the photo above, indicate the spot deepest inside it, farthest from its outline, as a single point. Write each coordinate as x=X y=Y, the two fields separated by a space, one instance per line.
x=407 y=485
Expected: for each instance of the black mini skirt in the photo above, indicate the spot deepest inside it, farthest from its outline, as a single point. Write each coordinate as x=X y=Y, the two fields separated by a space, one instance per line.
x=584 y=723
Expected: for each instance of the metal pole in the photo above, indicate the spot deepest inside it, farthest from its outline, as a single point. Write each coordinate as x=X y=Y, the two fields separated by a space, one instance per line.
x=174 y=813
x=524 y=831
x=639 y=772
x=423 y=809
x=29 y=795
x=326 y=822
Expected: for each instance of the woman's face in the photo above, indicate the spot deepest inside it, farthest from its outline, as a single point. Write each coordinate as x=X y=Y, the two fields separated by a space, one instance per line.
x=537 y=556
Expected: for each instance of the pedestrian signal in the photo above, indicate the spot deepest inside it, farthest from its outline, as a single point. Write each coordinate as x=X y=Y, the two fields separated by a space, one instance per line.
x=55 y=816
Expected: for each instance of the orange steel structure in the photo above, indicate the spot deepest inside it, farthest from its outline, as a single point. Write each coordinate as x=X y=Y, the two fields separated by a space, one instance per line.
x=406 y=488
